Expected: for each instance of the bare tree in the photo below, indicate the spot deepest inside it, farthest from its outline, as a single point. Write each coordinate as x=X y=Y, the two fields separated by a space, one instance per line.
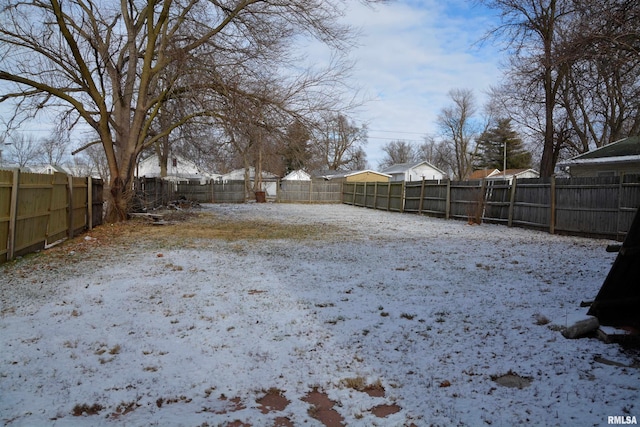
x=23 y=150
x=458 y=131
x=398 y=152
x=53 y=148
x=533 y=30
x=117 y=68
x=436 y=153
x=338 y=143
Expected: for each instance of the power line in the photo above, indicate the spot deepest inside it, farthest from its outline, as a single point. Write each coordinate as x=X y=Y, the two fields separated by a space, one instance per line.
x=397 y=131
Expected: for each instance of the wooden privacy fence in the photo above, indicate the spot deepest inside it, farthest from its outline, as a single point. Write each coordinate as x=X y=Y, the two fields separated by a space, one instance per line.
x=152 y=193
x=599 y=206
x=155 y=192
x=309 y=192
x=37 y=210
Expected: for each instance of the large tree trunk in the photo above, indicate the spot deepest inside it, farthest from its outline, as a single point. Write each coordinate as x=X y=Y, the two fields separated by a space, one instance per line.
x=121 y=186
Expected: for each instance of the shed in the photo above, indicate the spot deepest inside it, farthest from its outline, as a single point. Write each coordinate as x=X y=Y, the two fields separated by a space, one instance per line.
x=618 y=158
x=416 y=171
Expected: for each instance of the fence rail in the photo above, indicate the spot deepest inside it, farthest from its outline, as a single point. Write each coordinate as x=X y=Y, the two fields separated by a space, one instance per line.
x=37 y=210
x=599 y=206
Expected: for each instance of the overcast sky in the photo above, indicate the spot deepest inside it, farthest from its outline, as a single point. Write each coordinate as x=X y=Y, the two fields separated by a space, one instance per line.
x=411 y=54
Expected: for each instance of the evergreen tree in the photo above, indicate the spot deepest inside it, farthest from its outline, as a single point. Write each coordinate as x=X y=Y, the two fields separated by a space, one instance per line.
x=491 y=148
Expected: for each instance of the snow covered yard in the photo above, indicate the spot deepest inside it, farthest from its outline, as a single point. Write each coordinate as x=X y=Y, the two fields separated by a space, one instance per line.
x=399 y=320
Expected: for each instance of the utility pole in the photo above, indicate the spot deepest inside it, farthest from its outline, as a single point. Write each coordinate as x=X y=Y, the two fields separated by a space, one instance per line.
x=504 y=165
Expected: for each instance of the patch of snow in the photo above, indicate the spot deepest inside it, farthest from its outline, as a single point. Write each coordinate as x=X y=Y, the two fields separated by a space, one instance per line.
x=430 y=309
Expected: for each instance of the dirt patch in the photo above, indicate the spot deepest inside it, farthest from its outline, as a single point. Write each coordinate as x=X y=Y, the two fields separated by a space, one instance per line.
x=273 y=400
x=382 y=411
x=512 y=380
x=322 y=409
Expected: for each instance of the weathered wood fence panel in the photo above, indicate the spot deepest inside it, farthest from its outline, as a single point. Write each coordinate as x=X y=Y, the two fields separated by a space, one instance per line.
x=309 y=191
x=153 y=192
x=498 y=201
x=229 y=192
x=466 y=200
x=59 y=212
x=602 y=206
x=629 y=201
x=32 y=214
x=532 y=203
x=6 y=187
x=37 y=210
x=583 y=204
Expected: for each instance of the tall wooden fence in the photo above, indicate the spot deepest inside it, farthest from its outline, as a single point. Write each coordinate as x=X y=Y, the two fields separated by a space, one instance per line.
x=155 y=192
x=309 y=192
x=37 y=210
x=599 y=207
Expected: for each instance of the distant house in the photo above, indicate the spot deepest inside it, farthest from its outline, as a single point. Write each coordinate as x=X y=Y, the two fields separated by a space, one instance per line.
x=49 y=169
x=618 y=158
x=511 y=174
x=178 y=169
x=297 y=175
x=353 y=176
x=482 y=174
x=416 y=171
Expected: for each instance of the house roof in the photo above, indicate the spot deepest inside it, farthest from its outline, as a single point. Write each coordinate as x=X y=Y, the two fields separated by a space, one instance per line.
x=509 y=173
x=344 y=174
x=483 y=173
x=403 y=167
x=624 y=150
x=297 y=175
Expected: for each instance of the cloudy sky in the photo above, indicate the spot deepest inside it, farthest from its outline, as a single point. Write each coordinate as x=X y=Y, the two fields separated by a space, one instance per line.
x=410 y=55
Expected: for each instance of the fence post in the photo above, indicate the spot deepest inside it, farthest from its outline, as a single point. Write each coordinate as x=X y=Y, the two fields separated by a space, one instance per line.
x=447 y=207
x=310 y=191
x=483 y=200
x=512 y=200
x=402 y=196
x=375 y=195
x=13 y=213
x=89 y=203
x=388 y=196
x=552 y=210
x=355 y=188
x=619 y=213
x=421 y=197
x=70 y=204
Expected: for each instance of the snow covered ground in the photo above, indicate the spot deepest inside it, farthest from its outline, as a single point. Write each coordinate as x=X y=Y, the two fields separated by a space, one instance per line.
x=430 y=311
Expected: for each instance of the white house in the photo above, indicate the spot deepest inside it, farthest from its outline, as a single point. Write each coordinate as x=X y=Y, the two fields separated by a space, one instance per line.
x=416 y=171
x=618 y=158
x=511 y=174
x=297 y=175
x=49 y=169
x=178 y=169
